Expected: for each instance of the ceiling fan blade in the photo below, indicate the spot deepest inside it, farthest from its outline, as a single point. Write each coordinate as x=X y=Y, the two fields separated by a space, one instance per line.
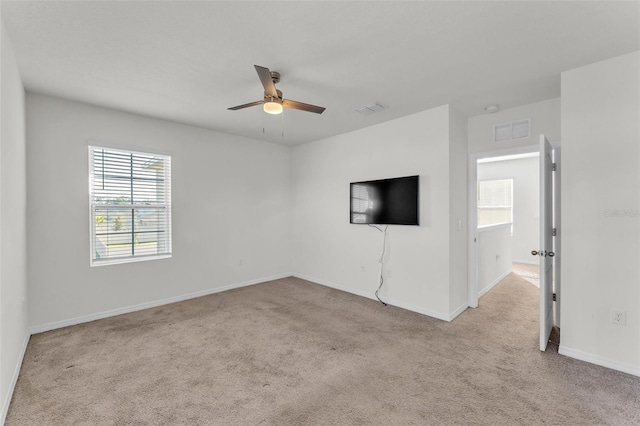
x=267 y=82
x=246 y=105
x=302 y=106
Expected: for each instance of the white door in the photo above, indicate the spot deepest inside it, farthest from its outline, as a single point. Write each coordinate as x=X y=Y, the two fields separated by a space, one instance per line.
x=546 y=241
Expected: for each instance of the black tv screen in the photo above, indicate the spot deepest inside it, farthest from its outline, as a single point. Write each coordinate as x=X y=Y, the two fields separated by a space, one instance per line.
x=385 y=202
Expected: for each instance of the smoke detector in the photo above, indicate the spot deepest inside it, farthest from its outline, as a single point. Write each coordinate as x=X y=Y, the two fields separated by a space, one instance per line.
x=492 y=108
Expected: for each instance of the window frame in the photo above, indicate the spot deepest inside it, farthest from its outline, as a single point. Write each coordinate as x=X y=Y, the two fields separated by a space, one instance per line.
x=510 y=207
x=165 y=207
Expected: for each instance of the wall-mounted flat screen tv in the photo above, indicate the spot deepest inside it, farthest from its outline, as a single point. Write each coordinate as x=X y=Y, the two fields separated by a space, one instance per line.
x=386 y=201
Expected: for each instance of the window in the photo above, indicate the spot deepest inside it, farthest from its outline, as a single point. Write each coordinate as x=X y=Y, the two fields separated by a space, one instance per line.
x=495 y=202
x=130 y=199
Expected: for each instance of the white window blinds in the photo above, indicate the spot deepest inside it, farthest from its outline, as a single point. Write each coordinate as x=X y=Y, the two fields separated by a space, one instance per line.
x=495 y=202
x=130 y=198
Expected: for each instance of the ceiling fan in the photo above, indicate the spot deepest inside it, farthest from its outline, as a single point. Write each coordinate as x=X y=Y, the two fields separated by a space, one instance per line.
x=273 y=101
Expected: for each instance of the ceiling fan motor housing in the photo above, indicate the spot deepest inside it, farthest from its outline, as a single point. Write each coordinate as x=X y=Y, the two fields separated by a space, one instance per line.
x=279 y=98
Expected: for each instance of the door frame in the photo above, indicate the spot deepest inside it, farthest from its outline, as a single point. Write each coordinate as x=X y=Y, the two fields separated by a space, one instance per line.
x=472 y=288
x=557 y=223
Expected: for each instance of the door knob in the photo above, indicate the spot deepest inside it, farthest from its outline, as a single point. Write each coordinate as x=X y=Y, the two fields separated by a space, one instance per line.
x=542 y=253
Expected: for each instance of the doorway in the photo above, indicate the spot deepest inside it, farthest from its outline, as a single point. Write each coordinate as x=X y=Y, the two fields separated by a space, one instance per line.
x=548 y=248
x=495 y=234
x=508 y=217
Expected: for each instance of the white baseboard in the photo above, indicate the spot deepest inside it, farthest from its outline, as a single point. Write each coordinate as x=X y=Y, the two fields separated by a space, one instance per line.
x=600 y=360
x=128 y=309
x=14 y=380
x=458 y=311
x=371 y=295
x=419 y=309
x=367 y=294
x=493 y=283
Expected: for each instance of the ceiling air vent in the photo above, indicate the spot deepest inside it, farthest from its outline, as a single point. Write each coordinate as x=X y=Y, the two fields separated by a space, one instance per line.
x=514 y=130
x=370 y=109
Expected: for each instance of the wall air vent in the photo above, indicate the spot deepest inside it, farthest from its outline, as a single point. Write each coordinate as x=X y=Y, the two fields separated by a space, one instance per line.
x=370 y=109
x=518 y=129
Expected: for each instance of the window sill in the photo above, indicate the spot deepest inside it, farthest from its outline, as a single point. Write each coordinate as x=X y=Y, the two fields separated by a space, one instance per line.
x=119 y=260
x=495 y=226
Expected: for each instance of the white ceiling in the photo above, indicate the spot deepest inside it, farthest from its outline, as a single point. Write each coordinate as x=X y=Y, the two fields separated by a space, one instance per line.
x=190 y=61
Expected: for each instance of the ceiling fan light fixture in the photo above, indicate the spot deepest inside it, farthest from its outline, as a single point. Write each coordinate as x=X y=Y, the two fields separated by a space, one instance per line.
x=272 y=107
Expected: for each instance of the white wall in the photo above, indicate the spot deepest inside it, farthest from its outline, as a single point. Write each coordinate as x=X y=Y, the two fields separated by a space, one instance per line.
x=600 y=202
x=544 y=115
x=525 y=173
x=494 y=256
x=327 y=249
x=13 y=255
x=458 y=207
x=231 y=202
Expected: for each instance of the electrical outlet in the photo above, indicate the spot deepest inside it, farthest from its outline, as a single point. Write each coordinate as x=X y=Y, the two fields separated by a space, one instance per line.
x=618 y=317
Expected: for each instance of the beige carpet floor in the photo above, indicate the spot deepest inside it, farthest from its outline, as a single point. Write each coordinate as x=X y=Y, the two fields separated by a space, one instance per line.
x=530 y=273
x=289 y=352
